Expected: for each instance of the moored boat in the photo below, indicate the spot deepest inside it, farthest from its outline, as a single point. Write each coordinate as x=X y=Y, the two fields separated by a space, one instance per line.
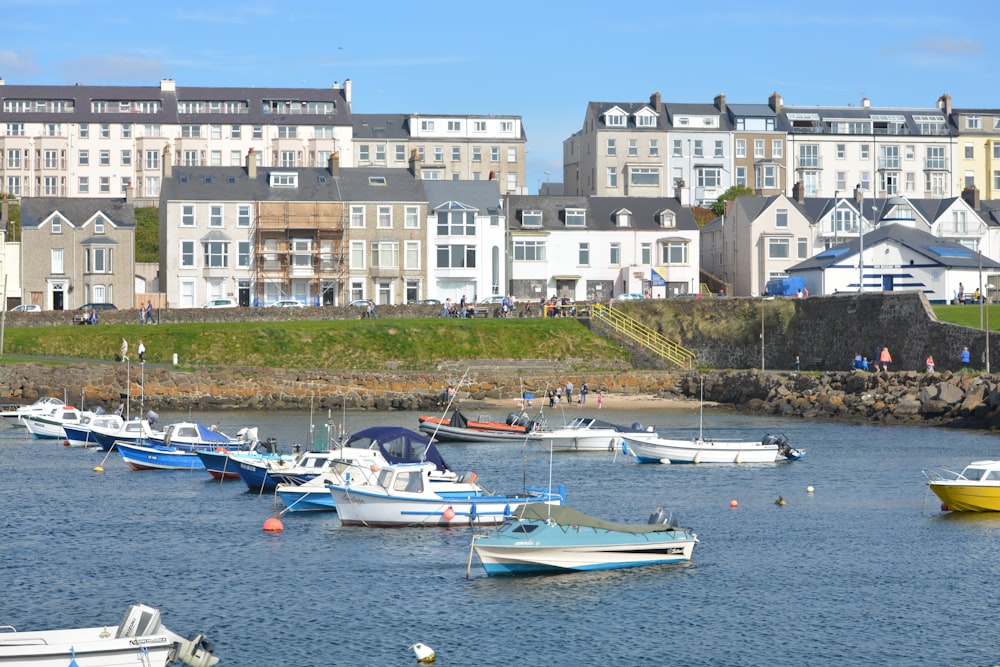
x=975 y=489
x=458 y=428
x=15 y=414
x=50 y=425
x=139 y=639
x=585 y=434
x=157 y=457
x=539 y=538
x=81 y=434
x=651 y=448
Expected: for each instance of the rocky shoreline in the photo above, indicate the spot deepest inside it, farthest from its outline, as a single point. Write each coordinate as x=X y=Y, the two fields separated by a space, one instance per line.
x=957 y=400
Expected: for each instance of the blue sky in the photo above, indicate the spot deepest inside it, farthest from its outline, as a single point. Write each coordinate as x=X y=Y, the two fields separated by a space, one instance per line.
x=542 y=60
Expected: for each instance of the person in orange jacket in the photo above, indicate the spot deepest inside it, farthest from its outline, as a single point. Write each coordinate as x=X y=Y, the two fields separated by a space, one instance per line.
x=884 y=359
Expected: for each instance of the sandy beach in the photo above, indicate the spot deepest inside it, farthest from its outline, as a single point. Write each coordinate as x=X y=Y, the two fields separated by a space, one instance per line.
x=611 y=402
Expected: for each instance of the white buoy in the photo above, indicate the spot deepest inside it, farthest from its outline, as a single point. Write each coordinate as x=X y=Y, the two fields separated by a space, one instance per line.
x=809 y=489
x=424 y=653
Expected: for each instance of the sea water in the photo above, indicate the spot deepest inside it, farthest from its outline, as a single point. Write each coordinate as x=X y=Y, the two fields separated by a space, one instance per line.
x=866 y=570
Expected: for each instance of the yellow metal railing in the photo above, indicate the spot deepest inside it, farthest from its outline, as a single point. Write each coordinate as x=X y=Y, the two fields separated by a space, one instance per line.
x=647 y=338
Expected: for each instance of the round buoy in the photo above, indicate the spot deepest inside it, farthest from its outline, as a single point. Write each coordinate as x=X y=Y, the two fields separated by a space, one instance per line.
x=374 y=468
x=98 y=469
x=733 y=504
x=779 y=501
x=424 y=653
x=65 y=443
x=273 y=525
x=219 y=450
x=449 y=514
x=809 y=489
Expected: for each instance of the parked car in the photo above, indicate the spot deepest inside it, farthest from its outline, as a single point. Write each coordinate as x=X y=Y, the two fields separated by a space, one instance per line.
x=630 y=296
x=27 y=308
x=98 y=306
x=221 y=303
x=288 y=303
x=496 y=299
x=362 y=303
x=428 y=302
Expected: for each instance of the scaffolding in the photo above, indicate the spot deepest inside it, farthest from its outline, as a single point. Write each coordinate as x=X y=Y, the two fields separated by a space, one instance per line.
x=300 y=250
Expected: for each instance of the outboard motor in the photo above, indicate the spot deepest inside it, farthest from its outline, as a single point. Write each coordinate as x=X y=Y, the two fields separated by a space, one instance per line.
x=658 y=517
x=637 y=427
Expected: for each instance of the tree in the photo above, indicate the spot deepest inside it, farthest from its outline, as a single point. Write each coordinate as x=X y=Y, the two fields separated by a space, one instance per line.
x=719 y=205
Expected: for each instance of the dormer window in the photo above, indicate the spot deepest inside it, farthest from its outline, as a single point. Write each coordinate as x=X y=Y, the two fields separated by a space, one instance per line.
x=531 y=218
x=576 y=217
x=615 y=120
x=284 y=179
x=623 y=218
x=645 y=118
x=667 y=219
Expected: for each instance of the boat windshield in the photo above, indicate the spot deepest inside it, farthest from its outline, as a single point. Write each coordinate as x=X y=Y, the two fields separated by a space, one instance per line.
x=974 y=474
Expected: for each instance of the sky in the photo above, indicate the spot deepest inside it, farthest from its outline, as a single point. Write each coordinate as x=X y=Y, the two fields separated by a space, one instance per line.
x=542 y=60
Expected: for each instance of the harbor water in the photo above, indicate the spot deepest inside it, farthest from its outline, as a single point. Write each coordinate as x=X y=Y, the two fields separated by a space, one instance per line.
x=866 y=570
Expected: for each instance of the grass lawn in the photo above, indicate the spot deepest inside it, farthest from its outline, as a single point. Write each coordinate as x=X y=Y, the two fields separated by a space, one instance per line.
x=969 y=315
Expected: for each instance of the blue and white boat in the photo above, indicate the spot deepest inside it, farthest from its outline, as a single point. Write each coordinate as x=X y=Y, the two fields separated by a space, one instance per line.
x=192 y=436
x=222 y=463
x=157 y=457
x=133 y=430
x=82 y=434
x=411 y=494
x=50 y=425
x=539 y=538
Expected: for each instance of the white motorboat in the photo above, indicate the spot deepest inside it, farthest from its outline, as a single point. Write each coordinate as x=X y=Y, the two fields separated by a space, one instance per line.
x=584 y=434
x=651 y=448
x=49 y=425
x=81 y=434
x=44 y=404
x=540 y=538
x=139 y=639
x=410 y=494
x=133 y=430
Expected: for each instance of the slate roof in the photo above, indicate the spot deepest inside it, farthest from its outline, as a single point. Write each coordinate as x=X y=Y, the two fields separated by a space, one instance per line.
x=381 y=126
x=77 y=210
x=482 y=195
x=600 y=212
x=937 y=250
x=314 y=184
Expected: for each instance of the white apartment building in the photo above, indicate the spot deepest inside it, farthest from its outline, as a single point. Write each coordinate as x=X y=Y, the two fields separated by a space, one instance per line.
x=98 y=141
x=450 y=147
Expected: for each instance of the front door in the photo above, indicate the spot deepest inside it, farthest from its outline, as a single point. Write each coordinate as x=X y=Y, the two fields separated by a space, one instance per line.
x=887 y=283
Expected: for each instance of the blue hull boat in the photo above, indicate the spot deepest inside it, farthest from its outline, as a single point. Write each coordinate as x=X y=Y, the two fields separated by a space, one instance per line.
x=540 y=538
x=157 y=457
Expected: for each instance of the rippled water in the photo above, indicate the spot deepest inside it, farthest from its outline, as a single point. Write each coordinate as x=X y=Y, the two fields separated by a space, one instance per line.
x=865 y=571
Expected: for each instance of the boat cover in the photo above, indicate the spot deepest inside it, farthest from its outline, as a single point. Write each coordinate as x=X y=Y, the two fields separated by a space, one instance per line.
x=567 y=516
x=398 y=445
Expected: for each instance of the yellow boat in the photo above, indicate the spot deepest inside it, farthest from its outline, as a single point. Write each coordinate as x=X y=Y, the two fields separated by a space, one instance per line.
x=975 y=489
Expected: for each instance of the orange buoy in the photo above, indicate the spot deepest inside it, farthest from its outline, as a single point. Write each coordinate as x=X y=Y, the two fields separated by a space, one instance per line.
x=65 y=443
x=733 y=504
x=219 y=450
x=449 y=514
x=273 y=525
x=374 y=467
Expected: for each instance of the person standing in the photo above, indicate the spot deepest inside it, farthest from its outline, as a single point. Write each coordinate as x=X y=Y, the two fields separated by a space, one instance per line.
x=798 y=364
x=965 y=357
x=569 y=392
x=885 y=359
x=600 y=400
x=141 y=350
x=930 y=363
x=583 y=394
x=149 y=312
x=124 y=349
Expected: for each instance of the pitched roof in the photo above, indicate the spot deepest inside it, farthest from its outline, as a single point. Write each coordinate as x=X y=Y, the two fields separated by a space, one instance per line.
x=77 y=210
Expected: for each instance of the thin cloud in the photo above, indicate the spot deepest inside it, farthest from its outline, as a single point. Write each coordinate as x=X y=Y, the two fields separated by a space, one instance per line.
x=17 y=62
x=111 y=69
x=943 y=46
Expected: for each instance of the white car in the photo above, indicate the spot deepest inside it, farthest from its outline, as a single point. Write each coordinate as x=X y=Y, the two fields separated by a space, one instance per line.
x=221 y=303
x=288 y=303
x=630 y=296
x=27 y=308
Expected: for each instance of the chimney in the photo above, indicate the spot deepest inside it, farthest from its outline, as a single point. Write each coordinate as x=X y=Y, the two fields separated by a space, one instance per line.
x=866 y=103
x=347 y=91
x=415 y=163
x=799 y=192
x=969 y=194
x=168 y=86
x=251 y=164
x=720 y=103
x=679 y=190
x=335 y=164
x=168 y=162
x=654 y=101
x=5 y=213
x=775 y=102
x=944 y=104
x=129 y=194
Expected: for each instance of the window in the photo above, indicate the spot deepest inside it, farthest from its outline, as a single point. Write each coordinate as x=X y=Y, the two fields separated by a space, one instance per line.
x=363 y=153
x=633 y=147
x=741 y=176
x=935 y=157
x=439 y=153
x=865 y=152
x=615 y=120
x=456 y=223
x=494 y=153
x=741 y=148
x=654 y=148
x=973 y=122
x=257 y=132
x=84 y=158
x=57 y=263
x=427 y=125
x=14 y=185
x=646 y=253
x=674 y=252
x=84 y=130
x=970 y=152
x=454 y=126
x=777 y=249
x=126 y=183
x=758 y=148
x=411 y=255
x=960 y=222
x=477 y=153
x=83 y=185
x=698 y=151
x=645 y=120
x=411 y=217
x=529 y=251
x=803 y=248
x=105 y=185
x=357 y=254
x=215 y=215
x=98 y=226
x=98 y=260
x=105 y=157
x=709 y=177
x=384 y=217
x=215 y=159
x=15 y=129
x=187 y=254
x=615 y=254
x=479 y=126
x=385 y=254
x=216 y=254
x=611 y=147
x=677 y=149
x=719 y=148
x=187 y=215
x=781 y=218
x=644 y=176
x=777 y=148
x=235 y=131
x=576 y=217
x=13 y=158
x=105 y=130
x=126 y=158
x=456 y=256
x=152 y=160
x=191 y=131
x=612 y=177
x=583 y=254
x=531 y=218
x=358 y=217
x=243 y=251
x=512 y=154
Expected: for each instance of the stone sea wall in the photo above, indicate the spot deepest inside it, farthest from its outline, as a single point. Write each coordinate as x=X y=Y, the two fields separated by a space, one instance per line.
x=962 y=400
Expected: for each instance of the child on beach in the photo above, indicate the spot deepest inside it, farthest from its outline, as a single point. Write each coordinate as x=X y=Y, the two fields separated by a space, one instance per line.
x=600 y=400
